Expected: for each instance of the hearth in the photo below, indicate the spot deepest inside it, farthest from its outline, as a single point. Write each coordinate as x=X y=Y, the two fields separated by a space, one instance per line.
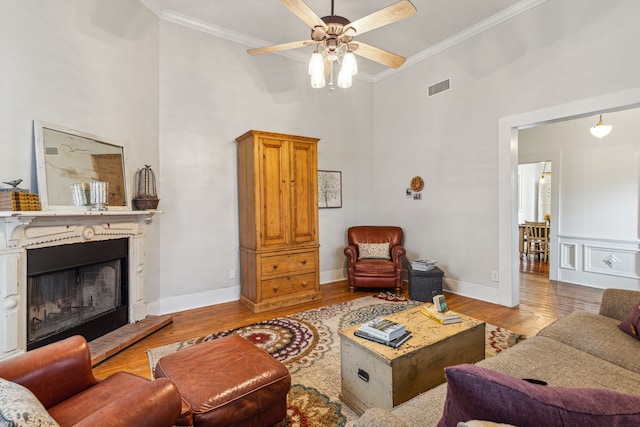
x=79 y=288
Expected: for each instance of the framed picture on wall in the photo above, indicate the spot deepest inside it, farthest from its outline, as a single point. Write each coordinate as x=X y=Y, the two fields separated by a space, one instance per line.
x=329 y=189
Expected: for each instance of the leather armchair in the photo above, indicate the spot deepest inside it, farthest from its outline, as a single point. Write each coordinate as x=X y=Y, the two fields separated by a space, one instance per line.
x=375 y=272
x=60 y=376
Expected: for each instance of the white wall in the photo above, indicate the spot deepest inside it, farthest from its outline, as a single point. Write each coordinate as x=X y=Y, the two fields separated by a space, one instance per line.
x=89 y=65
x=599 y=196
x=111 y=68
x=212 y=91
x=539 y=59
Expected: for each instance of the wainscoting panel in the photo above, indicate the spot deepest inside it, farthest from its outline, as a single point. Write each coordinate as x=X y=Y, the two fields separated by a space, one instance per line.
x=599 y=262
x=568 y=256
x=613 y=261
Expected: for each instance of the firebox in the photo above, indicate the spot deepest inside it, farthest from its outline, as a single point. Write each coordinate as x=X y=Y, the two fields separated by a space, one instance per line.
x=76 y=289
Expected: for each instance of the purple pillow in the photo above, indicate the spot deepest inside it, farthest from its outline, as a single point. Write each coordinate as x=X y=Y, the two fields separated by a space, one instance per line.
x=631 y=324
x=481 y=394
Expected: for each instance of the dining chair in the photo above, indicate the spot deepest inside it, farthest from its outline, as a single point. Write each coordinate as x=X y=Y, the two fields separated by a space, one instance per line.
x=537 y=239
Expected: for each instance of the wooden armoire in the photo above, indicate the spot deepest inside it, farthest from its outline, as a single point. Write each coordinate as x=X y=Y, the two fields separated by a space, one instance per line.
x=278 y=209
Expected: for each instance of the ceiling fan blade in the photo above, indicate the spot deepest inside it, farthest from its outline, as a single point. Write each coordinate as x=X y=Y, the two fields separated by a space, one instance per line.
x=304 y=12
x=376 y=54
x=280 y=47
x=390 y=14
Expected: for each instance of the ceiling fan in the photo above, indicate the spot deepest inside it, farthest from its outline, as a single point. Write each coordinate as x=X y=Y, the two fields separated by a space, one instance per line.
x=333 y=35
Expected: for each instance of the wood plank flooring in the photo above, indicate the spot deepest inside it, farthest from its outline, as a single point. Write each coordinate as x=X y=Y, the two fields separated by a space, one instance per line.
x=541 y=302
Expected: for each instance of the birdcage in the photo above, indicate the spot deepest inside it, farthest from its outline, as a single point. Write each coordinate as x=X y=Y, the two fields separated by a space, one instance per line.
x=146 y=193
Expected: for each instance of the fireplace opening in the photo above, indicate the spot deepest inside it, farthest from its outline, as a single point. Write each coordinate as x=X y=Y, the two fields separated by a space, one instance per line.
x=77 y=289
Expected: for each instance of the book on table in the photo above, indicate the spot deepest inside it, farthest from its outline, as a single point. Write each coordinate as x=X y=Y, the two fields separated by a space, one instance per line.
x=393 y=343
x=443 y=318
x=382 y=328
x=423 y=264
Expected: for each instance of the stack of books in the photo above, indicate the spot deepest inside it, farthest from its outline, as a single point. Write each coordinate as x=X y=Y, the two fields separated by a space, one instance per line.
x=383 y=331
x=423 y=264
x=19 y=201
x=445 y=318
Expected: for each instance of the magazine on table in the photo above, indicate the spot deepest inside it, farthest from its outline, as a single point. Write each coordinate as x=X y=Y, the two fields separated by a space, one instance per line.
x=393 y=343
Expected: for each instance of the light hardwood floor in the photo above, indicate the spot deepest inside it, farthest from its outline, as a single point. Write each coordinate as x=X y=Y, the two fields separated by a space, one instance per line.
x=541 y=302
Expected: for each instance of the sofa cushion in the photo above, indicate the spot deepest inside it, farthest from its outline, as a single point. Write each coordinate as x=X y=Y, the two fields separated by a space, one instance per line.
x=373 y=250
x=631 y=324
x=19 y=407
x=474 y=392
x=597 y=335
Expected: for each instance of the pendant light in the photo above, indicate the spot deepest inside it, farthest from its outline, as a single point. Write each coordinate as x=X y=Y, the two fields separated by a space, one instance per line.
x=600 y=130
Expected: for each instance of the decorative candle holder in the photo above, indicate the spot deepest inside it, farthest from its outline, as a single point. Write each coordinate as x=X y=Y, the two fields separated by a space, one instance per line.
x=80 y=193
x=99 y=195
x=146 y=193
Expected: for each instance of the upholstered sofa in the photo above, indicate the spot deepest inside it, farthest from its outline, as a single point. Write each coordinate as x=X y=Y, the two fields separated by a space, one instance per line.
x=54 y=385
x=591 y=367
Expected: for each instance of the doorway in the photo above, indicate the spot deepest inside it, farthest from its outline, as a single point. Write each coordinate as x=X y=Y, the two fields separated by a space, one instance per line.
x=534 y=205
x=508 y=159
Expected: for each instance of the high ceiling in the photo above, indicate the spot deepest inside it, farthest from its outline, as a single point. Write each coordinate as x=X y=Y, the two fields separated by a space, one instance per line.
x=257 y=23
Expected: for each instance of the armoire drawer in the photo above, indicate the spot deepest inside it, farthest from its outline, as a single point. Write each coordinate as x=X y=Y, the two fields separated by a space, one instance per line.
x=288 y=285
x=289 y=263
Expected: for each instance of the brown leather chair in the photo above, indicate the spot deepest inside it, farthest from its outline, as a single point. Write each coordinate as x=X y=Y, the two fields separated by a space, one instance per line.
x=60 y=376
x=376 y=272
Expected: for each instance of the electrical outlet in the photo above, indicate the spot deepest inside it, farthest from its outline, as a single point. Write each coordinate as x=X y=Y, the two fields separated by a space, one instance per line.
x=494 y=276
x=232 y=273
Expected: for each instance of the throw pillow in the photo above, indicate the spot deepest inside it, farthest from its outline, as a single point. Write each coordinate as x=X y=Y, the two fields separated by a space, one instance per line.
x=631 y=324
x=480 y=423
x=373 y=250
x=19 y=407
x=479 y=393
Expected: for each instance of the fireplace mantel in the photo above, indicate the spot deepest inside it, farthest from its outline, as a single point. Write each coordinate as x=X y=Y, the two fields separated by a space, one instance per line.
x=20 y=231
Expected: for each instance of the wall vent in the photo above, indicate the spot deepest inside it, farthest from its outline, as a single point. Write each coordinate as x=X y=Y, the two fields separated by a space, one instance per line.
x=51 y=151
x=439 y=87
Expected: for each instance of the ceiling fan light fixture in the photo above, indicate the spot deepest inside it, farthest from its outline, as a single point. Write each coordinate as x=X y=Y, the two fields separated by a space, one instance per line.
x=316 y=64
x=600 y=130
x=349 y=63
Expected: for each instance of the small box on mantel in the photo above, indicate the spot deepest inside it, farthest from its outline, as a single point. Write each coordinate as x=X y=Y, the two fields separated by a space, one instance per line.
x=424 y=285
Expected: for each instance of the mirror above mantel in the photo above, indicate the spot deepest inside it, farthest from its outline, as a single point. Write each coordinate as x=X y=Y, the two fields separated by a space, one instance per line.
x=66 y=158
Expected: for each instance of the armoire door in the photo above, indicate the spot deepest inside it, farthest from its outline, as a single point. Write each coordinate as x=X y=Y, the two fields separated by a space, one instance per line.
x=304 y=188
x=274 y=188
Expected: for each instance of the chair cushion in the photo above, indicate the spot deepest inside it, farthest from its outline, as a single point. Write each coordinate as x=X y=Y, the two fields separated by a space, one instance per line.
x=374 y=267
x=91 y=400
x=474 y=392
x=373 y=250
x=19 y=407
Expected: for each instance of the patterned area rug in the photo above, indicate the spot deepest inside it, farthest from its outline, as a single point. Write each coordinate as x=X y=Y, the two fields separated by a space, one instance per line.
x=307 y=343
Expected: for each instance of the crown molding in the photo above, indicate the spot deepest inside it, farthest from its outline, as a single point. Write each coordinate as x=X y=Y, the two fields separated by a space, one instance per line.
x=252 y=42
x=474 y=30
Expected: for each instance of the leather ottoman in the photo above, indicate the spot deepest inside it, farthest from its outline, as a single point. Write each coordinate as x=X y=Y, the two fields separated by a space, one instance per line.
x=228 y=382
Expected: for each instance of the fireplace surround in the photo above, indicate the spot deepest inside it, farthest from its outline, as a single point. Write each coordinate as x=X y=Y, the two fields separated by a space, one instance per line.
x=22 y=232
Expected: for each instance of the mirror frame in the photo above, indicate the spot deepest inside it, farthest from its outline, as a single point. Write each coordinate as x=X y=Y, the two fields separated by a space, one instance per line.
x=45 y=181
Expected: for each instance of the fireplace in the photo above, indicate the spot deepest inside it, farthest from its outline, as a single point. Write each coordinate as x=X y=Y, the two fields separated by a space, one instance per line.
x=77 y=289
x=104 y=287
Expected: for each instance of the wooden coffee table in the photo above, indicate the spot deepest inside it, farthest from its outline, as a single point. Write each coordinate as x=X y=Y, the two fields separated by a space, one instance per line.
x=375 y=375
